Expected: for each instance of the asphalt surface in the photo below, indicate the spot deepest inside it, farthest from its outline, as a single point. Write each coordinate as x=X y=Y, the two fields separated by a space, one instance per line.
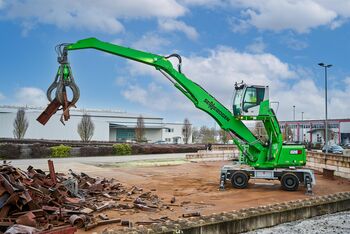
x=89 y=163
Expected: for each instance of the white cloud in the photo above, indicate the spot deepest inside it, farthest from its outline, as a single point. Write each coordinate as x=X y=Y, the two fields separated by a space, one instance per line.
x=121 y=81
x=337 y=23
x=2 y=97
x=224 y=66
x=298 y=15
x=151 y=42
x=103 y=16
x=156 y=97
x=30 y=96
x=205 y=3
x=176 y=25
x=238 y=25
x=2 y=3
x=257 y=47
x=295 y=44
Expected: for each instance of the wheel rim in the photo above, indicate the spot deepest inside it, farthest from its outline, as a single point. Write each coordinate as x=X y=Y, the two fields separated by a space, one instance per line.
x=239 y=180
x=289 y=182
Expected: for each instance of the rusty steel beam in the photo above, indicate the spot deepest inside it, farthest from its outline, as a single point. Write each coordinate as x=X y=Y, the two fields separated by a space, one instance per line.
x=60 y=230
x=50 y=110
x=104 y=222
x=52 y=171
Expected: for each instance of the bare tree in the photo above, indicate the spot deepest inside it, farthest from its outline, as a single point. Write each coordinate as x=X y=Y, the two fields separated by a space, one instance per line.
x=140 y=129
x=86 y=128
x=260 y=132
x=224 y=137
x=195 y=135
x=20 y=125
x=207 y=135
x=331 y=135
x=287 y=134
x=186 y=130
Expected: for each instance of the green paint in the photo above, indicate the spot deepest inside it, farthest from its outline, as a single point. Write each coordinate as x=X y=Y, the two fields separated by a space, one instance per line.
x=254 y=152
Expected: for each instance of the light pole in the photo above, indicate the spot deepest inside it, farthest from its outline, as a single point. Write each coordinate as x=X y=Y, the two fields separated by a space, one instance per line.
x=325 y=66
x=293 y=113
x=302 y=126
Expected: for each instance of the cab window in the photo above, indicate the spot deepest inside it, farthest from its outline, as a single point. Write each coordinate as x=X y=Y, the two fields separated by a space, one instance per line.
x=253 y=96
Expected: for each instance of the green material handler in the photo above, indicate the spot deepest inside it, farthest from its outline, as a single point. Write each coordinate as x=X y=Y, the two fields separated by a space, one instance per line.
x=271 y=159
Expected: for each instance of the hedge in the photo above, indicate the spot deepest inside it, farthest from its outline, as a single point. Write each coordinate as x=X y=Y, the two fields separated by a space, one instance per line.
x=122 y=149
x=61 y=151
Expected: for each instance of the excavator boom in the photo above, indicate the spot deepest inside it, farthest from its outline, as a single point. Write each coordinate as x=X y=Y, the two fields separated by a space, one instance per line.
x=194 y=92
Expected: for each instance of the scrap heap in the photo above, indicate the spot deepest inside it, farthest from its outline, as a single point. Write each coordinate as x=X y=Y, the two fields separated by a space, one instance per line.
x=39 y=202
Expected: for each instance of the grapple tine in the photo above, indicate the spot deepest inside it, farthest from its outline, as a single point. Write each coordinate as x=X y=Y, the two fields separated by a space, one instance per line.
x=52 y=87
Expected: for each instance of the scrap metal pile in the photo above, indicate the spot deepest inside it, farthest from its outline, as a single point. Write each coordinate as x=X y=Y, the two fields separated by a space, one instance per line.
x=39 y=202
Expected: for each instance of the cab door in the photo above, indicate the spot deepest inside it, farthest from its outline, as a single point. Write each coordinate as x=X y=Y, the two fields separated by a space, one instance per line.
x=253 y=96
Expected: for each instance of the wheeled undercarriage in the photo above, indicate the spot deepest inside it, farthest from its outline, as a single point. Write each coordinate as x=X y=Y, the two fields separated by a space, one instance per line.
x=290 y=178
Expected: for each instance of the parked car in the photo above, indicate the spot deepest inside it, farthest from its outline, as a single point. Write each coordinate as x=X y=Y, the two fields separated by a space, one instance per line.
x=161 y=142
x=333 y=149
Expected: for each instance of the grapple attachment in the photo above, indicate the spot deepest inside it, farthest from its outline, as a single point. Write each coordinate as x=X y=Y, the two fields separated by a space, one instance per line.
x=63 y=80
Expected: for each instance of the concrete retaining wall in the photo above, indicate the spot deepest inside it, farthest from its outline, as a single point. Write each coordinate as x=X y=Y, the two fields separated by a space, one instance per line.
x=251 y=218
x=214 y=154
x=218 y=152
x=340 y=164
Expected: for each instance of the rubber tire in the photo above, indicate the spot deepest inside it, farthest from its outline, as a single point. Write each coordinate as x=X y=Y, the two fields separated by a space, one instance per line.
x=239 y=180
x=289 y=182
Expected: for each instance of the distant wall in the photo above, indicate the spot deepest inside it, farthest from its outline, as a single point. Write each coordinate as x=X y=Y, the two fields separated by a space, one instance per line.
x=339 y=163
x=25 y=149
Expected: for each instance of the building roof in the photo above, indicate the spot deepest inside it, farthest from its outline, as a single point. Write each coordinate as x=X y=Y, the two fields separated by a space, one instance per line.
x=78 y=112
x=314 y=121
x=133 y=125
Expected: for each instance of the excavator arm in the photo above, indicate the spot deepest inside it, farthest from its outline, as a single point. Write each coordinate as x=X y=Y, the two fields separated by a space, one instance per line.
x=194 y=92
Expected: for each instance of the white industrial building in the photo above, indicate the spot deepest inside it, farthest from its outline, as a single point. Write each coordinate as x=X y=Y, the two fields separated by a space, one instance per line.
x=115 y=126
x=314 y=130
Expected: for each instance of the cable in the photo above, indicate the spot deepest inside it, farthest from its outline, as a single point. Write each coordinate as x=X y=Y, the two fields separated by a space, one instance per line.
x=179 y=58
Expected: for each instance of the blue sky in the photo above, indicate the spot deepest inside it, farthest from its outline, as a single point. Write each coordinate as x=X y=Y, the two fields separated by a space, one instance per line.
x=272 y=42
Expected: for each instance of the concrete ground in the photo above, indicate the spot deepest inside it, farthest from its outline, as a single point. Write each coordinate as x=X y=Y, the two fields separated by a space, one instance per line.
x=338 y=223
x=194 y=185
x=91 y=164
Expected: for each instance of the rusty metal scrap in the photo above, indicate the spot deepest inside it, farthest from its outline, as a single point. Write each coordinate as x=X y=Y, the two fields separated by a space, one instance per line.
x=78 y=220
x=47 y=202
x=52 y=172
x=193 y=214
x=103 y=216
x=50 y=110
x=60 y=230
x=27 y=219
x=18 y=228
x=103 y=222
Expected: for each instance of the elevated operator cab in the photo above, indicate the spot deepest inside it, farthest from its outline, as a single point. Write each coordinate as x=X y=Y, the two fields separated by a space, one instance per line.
x=247 y=99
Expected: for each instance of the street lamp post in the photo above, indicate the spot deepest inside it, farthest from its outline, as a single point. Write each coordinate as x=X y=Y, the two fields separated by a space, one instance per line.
x=302 y=126
x=293 y=113
x=326 y=66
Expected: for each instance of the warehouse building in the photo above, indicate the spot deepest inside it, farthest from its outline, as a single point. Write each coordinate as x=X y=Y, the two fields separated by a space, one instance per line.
x=314 y=130
x=115 y=126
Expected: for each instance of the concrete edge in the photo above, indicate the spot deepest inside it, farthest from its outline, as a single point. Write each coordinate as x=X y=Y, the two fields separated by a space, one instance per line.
x=249 y=219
